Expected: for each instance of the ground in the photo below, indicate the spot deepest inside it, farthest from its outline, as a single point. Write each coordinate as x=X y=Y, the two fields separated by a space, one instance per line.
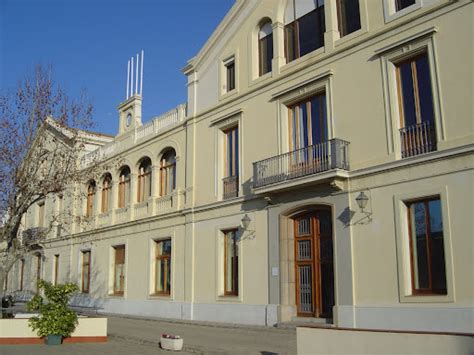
x=141 y=336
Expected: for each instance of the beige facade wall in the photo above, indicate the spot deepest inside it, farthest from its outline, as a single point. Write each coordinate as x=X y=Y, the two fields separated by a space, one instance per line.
x=371 y=269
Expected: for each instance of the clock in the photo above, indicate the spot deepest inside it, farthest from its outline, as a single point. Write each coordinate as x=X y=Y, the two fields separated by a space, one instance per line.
x=128 y=121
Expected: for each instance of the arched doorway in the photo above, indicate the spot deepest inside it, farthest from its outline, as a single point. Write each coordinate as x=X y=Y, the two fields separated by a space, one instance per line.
x=313 y=263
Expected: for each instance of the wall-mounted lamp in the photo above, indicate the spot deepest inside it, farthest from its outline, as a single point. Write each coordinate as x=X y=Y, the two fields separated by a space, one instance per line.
x=362 y=200
x=245 y=222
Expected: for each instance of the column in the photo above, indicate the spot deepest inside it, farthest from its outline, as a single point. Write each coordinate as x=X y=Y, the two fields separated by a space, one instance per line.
x=332 y=31
x=278 y=47
x=133 y=194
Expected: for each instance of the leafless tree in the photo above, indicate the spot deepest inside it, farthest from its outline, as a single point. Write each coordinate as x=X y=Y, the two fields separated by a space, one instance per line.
x=40 y=145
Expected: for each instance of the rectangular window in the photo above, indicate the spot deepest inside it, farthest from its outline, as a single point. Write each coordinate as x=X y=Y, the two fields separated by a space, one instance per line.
x=231 y=263
x=41 y=214
x=265 y=48
x=90 y=200
x=86 y=271
x=38 y=270
x=308 y=122
x=119 y=270
x=428 y=265
x=5 y=284
x=230 y=74
x=22 y=273
x=348 y=15
x=401 y=4
x=56 y=269
x=417 y=129
x=306 y=33
x=163 y=267
x=231 y=173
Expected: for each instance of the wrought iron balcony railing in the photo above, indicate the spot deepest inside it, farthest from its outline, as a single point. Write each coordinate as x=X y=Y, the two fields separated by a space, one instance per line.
x=310 y=160
x=231 y=187
x=418 y=139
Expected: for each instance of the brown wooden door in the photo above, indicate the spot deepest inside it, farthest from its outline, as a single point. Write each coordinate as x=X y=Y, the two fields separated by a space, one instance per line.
x=314 y=264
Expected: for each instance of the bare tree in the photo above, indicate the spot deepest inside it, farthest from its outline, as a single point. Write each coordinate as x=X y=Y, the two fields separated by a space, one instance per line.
x=40 y=145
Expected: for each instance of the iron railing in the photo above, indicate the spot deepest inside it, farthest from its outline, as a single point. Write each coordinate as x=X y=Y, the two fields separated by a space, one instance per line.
x=310 y=160
x=231 y=187
x=417 y=139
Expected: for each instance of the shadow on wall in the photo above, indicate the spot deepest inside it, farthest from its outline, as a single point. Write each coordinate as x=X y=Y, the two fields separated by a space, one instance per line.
x=85 y=299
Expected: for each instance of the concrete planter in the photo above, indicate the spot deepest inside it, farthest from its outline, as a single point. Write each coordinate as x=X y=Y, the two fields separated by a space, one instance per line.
x=53 y=339
x=171 y=344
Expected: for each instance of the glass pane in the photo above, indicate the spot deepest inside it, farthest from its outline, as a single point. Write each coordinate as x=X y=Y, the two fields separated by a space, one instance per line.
x=327 y=289
x=424 y=89
x=304 y=226
x=231 y=262
x=318 y=119
x=236 y=152
x=290 y=42
x=438 y=268
x=349 y=17
x=158 y=276
x=305 y=277
x=311 y=31
x=85 y=277
x=119 y=278
x=401 y=4
x=304 y=250
x=408 y=99
x=419 y=246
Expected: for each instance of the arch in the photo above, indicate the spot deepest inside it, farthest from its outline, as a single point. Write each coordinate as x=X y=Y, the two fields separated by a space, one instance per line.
x=167 y=144
x=91 y=188
x=308 y=229
x=106 y=192
x=167 y=171
x=144 y=179
x=124 y=186
x=265 y=46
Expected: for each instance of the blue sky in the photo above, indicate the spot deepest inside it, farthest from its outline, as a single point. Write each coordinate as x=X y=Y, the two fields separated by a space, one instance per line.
x=88 y=43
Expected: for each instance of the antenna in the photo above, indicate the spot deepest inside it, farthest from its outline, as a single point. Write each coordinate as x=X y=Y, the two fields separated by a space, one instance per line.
x=135 y=75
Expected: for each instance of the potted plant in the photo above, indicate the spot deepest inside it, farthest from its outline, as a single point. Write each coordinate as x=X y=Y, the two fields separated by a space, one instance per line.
x=56 y=319
x=171 y=342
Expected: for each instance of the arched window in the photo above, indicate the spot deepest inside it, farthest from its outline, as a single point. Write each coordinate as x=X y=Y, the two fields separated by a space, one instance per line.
x=106 y=190
x=304 y=27
x=265 y=47
x=168 y=172
x=144 y=180
x=124 y=187
x=91 y=188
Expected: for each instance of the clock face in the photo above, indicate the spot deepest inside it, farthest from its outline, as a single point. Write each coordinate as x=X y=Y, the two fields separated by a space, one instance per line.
x=128 y=121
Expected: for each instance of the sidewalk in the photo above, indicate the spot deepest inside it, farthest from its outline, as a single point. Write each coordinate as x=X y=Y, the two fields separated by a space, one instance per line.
x=204 y=337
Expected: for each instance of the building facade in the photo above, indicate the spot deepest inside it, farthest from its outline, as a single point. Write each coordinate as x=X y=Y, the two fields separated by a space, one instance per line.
x=322 y=168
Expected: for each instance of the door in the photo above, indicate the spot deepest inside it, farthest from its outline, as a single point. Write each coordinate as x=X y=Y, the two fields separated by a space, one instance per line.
x=314 y=264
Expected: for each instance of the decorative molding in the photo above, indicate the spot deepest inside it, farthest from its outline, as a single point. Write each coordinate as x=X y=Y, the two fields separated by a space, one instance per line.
x=405 y=42
x=224 y=120
x=302 y=86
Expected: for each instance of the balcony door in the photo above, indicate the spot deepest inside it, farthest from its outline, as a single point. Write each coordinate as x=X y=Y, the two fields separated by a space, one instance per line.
x=314 y=264
x=308 y=136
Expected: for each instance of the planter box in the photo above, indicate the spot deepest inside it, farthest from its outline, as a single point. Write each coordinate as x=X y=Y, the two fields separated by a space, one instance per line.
x=17 y=331
x=171 y=344
x=53 y=339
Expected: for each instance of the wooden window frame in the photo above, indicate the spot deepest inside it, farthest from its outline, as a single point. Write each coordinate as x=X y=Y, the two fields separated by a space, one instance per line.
x=341 y=19
x=91 y=191
x=230 y=70
x=296 y=38
x=22 y=273
x=144 y=175
x=86 y=265
x=123 y=186
x=41 y=213
x=56 y=269
x=159 y=257
x=165 y=170
x=116 y=288
x=106 y=194
x=262 y=56
x=430 y=291
x=38 y=270
x=235 y=275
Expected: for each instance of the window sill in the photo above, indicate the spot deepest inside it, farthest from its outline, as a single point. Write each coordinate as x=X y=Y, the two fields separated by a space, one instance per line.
x=392 y=16
x=160 y=296
x=229 y=298
x=299 y=61
x=227 y=94
x=427 y=298
x=261 y=78
x=115 y=295
x=351 y=36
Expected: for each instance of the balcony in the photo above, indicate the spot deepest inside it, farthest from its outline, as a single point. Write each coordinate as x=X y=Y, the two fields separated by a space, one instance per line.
x=417 y=139
x=309 y=163
x=231 y=187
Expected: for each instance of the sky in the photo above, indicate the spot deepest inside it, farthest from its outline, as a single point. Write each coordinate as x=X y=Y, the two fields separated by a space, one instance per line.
x=88 y=44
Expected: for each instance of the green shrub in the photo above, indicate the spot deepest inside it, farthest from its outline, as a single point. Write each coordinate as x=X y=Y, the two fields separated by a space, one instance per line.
x=55 y=316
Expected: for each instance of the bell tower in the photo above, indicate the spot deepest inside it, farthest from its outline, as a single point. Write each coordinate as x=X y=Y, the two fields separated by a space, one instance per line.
x=130 y=110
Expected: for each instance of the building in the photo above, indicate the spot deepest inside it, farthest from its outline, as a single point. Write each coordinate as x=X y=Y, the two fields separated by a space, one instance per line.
x=322 y=167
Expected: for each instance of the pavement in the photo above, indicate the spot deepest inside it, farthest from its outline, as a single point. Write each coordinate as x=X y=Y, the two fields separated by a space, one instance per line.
x=138 y=335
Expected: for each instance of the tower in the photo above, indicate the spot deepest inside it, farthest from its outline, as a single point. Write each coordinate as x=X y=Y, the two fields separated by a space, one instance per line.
x=130 y=110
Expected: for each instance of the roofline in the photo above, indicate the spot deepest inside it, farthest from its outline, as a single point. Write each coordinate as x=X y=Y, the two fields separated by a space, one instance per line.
x=221 y=28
